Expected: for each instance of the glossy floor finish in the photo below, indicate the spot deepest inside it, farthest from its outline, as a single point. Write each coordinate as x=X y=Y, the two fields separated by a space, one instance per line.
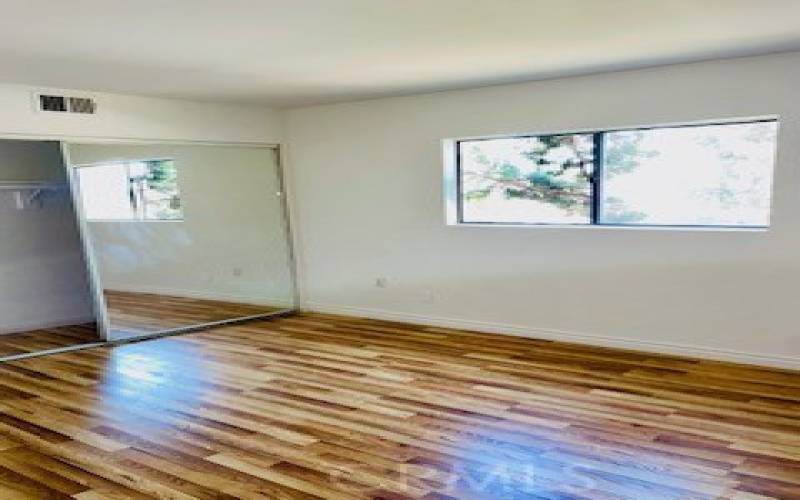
x=133 y=314
x=50 y=338
x=316 y=406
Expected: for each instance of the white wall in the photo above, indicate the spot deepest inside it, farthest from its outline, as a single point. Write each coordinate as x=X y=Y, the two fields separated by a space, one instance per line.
x=31 y=161
x=367 y=185
x=231 y=244
x=131 y=117
x=42 y=274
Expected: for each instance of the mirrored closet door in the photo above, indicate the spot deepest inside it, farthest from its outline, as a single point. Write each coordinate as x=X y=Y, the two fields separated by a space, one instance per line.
x=182 y=236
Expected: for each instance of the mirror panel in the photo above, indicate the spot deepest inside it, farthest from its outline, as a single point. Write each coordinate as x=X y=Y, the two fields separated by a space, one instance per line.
x=182 y=236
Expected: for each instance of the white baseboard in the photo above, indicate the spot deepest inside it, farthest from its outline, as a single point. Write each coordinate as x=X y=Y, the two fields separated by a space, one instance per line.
x=43 y=325
x=206 y=295
x=694 y=351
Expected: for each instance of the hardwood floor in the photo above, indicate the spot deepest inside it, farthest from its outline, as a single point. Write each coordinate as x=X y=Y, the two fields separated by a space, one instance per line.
x=51 y=338
x=132 y=314
x=317 y=406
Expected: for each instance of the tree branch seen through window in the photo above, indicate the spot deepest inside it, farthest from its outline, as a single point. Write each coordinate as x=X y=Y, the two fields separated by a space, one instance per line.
x=700 y=175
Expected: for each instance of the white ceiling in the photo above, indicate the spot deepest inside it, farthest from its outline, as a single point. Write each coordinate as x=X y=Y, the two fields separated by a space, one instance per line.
x=296 y=52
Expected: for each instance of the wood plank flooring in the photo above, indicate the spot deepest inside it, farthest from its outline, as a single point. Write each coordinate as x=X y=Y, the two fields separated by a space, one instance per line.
x=50 y=338
x=132 y=314
x=317 y=406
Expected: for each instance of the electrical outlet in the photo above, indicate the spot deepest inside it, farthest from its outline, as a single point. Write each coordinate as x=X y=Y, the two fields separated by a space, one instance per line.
x=381 y=282
x=238 y=271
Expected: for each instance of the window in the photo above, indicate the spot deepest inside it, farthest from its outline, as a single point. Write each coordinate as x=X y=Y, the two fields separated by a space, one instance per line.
x=693 y=175
x=138 y=190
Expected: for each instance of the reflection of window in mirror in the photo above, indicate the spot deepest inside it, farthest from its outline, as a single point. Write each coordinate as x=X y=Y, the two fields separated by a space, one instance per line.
x=138 y=190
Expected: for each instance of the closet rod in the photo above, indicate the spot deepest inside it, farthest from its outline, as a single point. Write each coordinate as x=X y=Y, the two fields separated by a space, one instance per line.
x=32 y=185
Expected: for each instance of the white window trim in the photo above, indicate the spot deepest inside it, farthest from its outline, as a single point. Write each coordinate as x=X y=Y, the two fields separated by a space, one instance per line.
x=449 y=148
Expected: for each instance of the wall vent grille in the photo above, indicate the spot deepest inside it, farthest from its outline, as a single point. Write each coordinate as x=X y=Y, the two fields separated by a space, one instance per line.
x=53 y=103
x=64 y=104
x=84 y=105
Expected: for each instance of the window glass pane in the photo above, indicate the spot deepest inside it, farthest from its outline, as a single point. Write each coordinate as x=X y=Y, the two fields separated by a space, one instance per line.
x=104 y=192
x=699 y=175
x=545 y=180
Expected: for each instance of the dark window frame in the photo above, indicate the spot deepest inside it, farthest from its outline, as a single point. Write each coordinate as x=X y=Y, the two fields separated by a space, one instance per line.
x=598 y=138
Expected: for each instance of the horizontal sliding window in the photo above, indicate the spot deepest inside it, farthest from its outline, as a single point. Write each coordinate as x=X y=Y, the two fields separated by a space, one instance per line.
x=694 y=175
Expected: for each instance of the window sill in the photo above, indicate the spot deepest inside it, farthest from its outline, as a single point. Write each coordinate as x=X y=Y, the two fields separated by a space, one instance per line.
x=616 y=227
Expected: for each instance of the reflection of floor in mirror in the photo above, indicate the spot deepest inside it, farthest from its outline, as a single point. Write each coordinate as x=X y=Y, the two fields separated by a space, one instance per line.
x=50 y=338
x=133 y=313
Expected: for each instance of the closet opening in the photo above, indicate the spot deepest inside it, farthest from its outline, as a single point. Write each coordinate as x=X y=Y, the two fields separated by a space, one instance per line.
x=45 y=293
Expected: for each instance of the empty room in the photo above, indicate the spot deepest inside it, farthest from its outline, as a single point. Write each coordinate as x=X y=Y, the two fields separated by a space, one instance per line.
x=400 y=249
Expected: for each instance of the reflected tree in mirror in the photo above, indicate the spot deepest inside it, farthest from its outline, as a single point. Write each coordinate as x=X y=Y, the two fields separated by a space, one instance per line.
x=154 y=190
x=162 y=180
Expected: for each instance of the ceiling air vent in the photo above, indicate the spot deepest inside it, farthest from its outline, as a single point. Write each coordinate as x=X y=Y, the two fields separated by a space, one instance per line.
x=63 y=104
